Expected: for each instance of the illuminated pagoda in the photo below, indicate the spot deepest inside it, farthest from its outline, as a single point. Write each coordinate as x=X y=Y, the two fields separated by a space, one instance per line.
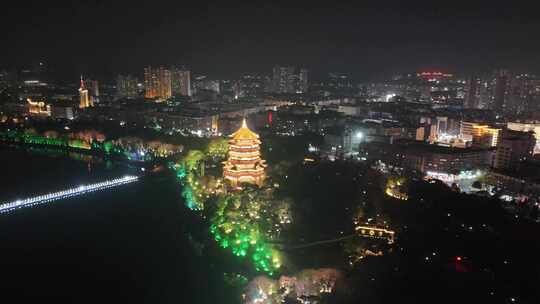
x=244 y=164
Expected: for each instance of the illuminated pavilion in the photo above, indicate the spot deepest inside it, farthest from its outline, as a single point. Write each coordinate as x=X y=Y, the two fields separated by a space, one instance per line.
x=244 y=164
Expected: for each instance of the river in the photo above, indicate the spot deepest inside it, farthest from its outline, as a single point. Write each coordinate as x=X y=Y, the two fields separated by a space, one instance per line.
x=131 y=244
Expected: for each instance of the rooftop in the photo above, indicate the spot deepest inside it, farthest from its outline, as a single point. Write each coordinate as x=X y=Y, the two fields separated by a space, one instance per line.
x=244 y=133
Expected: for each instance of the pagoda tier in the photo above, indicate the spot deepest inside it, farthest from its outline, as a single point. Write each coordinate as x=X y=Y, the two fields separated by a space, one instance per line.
x=244 y=164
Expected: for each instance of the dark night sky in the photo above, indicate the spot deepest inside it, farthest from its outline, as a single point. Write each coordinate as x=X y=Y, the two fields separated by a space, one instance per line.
x=102 y=38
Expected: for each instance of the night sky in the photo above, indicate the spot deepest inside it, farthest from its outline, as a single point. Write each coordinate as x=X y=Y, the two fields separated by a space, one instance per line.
x=224 y=39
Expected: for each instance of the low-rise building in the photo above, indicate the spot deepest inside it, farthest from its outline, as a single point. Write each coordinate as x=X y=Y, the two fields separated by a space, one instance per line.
x=422 y=157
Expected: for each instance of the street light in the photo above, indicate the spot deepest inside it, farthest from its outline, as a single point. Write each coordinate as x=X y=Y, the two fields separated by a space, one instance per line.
x=390 y=96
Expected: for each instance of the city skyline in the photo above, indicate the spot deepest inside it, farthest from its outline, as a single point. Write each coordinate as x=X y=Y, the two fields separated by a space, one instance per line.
x=292 y=153
x=225 y=40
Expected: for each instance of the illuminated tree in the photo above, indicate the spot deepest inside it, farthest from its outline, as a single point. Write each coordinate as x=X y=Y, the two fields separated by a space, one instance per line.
x=218 y=148
x=107 y=147
x=263 y=290
x=192 y=159
x=79 y=144
x=237 y=224
x=282 y=210
x=88 y=136
x=243 y=222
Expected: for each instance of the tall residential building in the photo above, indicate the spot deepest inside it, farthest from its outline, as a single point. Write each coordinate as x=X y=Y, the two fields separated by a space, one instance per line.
x=198 y=83
x=85 y=100
x=181 y=81
x=7 y=79
x=248 y=86
x=524 y=94
x=268 y=84
x=472 y=93
x=36 y=75
x=283 y=79
x=157 y=83
x=93 y=90
x=63 y=112
x=203 y=83
x=289 y=80
x=531 y=126
x=485 y=94
x=126 y=86
x=513 y=147
x=227 y=88
x=339 y=83
x=302 y=85
x=211 y=85
x=533 y=100
x=500 y=94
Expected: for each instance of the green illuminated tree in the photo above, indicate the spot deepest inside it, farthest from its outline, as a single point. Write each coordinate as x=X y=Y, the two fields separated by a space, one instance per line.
x=192 y=159
x=218 y=148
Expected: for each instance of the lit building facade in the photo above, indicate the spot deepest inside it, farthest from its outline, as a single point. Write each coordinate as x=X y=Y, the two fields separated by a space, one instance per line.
x=289 y=80
x=340 y=83
x=248 y=86
x=302 y=84
x=472 y=93
x=423 y=157
x=533 y=126
x=203 y=83
x=85 y=100
x=157 y=83
x=523 y=95
x=513 y=147
x=63 y=112
x=502 y=88
x=484 y=136
x=93 y=90
x=38 y=108
x=244 y=164
x=282 y=80
x=467 y=129
x=434 y=76
x=126 y=86
x=181 y=82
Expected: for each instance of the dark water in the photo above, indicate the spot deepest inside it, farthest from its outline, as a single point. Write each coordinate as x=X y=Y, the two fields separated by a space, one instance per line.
x=127 y=245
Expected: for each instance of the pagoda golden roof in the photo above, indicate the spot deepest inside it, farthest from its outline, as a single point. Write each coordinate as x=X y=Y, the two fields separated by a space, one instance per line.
x=244 y=133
